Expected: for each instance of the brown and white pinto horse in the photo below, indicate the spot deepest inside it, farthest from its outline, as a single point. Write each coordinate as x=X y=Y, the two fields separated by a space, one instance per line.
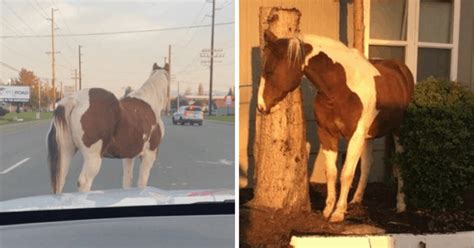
x=356 y=99
x=99 y=125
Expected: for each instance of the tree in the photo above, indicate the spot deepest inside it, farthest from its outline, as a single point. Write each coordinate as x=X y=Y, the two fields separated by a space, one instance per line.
x=281 y=155
x=28 y=78
x=200 y=90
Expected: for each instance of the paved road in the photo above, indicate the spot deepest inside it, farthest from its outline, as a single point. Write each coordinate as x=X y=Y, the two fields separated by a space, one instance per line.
x=190 y=157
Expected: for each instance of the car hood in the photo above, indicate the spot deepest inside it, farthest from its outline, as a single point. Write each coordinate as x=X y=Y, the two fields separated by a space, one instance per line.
x=116 y=198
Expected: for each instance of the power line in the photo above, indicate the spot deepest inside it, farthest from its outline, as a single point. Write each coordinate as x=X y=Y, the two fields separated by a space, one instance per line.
x=9 y=66
x=119 y=32
x=39 y=10
x=11 y=27
x=17 y=16
x=194 y=22
x=17 y=70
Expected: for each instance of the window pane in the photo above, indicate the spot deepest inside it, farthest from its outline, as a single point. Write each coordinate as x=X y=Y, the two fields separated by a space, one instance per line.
x=388 y=19
x=433 y=62
x=435 y=21
x=387 y=52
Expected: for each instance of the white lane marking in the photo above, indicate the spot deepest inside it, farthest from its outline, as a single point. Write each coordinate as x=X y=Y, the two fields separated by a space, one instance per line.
x=221 y=162
x=14 y=166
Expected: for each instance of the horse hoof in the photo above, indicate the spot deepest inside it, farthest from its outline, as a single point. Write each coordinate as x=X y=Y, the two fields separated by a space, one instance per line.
x=336 y=217
x=327 y=213
x=401 y=208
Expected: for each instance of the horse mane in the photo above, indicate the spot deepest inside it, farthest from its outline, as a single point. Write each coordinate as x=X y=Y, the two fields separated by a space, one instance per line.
x=154 y=90
x=295 y=50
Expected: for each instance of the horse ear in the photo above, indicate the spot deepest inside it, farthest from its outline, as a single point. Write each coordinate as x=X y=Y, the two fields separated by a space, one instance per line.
x=155 y=66
x=167 y=67
x=307 y=49
x=269 y=36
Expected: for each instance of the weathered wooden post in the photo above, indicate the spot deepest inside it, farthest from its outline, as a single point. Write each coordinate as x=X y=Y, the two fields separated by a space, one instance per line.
x=281 y=155
x=359 y=25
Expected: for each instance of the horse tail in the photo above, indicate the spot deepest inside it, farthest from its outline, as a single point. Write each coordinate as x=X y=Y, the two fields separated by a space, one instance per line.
x=59 y=141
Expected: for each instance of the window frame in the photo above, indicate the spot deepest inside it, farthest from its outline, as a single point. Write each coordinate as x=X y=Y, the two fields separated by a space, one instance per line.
x=412 y=43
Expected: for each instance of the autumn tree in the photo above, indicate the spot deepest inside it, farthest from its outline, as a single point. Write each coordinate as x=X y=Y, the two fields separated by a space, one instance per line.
x=29 y=79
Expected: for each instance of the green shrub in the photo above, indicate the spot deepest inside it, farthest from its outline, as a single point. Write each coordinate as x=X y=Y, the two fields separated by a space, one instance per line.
x=438 y=139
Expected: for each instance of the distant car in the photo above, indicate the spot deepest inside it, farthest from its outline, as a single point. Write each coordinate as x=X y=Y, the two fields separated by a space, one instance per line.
x=188 y=114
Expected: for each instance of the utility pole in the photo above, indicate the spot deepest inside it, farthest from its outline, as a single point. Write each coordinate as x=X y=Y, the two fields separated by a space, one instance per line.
x=38 y=115
x=53 y=52
x=168 y=109
x=61 y=91
x=359 y=25
x=212 y=56
x=177 y=99
x=80 y=70
x=75 y=80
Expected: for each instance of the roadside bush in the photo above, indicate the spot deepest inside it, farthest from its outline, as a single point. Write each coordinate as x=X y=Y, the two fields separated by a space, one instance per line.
x=437 y=136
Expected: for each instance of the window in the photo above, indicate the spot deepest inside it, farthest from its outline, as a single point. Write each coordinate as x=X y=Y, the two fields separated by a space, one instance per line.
x=424 y=34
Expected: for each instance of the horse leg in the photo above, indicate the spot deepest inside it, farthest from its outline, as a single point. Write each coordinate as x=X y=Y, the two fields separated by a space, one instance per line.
x=148 y=158
x=127 y=164
x=366 y=161
x=330 y=158
x=90 y=167
x=354 y=151
x=67 y=152
x=401 y=206
x=328 y=154
x=317 y=164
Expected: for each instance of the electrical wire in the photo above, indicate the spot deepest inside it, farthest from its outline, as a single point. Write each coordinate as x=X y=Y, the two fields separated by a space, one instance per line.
x=119 y=32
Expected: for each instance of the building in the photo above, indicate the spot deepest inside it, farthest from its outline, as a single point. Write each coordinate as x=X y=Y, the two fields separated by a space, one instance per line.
x=433 y=37
x=223 y=105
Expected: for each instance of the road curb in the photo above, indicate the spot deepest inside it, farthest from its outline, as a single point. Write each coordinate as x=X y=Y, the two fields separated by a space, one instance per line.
x=230 y=123
x=23 y=123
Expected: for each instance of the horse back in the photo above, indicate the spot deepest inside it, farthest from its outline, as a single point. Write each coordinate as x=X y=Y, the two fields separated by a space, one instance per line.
x=138 y=125
x=101 y=118
x=394 y=90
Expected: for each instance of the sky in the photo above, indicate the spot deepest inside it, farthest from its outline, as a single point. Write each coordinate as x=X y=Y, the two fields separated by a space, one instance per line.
x=115 y=61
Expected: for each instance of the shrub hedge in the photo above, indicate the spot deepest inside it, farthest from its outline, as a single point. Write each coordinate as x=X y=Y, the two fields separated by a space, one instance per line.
x=438 y=139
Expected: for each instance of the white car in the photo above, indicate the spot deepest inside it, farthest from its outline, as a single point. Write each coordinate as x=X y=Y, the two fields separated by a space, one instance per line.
x=188 y=114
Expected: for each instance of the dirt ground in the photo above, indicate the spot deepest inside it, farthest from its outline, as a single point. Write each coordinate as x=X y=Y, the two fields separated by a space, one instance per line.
x=376 y=215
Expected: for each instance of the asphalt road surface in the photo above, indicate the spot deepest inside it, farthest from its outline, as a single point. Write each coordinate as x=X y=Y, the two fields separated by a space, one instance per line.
x=190 y=157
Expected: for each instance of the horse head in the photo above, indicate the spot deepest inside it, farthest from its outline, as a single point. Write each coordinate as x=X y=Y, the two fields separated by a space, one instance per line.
x=282 y=69
x=157 y=68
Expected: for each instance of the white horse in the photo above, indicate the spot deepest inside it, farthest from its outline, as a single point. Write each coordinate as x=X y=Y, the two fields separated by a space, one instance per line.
x=99 y=125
